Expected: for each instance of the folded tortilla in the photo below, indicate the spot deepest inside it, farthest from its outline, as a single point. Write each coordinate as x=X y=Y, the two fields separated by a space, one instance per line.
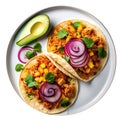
x=58 y=57
x=37 y=102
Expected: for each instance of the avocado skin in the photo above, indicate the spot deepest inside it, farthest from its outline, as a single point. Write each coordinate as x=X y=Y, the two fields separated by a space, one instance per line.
x=27 y=40
x=30 y=38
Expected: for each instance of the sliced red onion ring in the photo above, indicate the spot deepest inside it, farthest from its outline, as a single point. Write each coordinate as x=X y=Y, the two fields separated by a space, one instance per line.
x=77 y=51
x=79 y=64
x=76 y=57
x=75 y=47
x=47 y=90
x=80 y=59
x=21 y=54
x=50 y=92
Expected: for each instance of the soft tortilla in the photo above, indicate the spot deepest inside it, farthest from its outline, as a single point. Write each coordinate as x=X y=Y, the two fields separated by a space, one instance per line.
x=34 y=102
x=66 y=66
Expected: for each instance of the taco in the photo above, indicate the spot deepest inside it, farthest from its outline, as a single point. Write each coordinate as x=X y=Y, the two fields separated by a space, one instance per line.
x=82 y=48
x=44 y=87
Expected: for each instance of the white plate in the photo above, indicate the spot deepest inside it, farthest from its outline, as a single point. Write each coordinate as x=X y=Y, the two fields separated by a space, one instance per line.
x=90 y=92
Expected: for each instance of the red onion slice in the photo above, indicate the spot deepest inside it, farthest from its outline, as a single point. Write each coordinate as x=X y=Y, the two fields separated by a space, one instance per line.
x=81 y=58
x=75 y=57
x=50 y=92
x=75 y=47
x=21 y=54
x=77 y=51
x=80 y=64
x=47 y=91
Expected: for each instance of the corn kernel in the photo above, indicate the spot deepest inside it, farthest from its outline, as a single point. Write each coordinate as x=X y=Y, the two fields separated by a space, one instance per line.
x=78 y=35
x=68 y=38
x=72 y=29
x=79 y=28
x=43 y=65
x=64 y=97
x=41 y=79
x=90 y=64
x=36 y=74
x=91 y=53
x=45 y=70
x=25 y=74
x=37 y=79
x=52 y=48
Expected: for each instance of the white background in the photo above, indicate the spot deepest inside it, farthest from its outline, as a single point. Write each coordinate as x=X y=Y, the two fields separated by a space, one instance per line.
x=12 y=13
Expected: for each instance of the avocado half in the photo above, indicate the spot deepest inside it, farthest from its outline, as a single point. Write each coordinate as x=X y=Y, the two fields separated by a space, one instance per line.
x=34 y=28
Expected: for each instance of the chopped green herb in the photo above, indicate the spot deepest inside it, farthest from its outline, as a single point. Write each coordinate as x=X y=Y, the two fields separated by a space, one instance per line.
x=67 y=58
x=29 y=54
x=62 y=33
x=19 y=67
x=101 y=52
x=37 y=47
x=88 y=42
x=76 y=24
x=30 y=81
x=65 y=103
x=61 y=49
x=50 y=77
x=30 y=96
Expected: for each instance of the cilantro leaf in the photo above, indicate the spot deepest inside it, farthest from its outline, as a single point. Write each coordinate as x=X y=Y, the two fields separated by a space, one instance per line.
x=30 y=81
x=62 y=33
x=67 y=58
x=65 y=103
x=30 y=96
x=29 y=54
x=50 y=77
x=88 y=42
x=61 y=49
x=76 y=24
x=19 y=67
x=101 y=52
x=37 y=47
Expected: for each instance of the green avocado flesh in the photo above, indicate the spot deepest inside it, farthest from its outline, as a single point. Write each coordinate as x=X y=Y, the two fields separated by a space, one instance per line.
x=35 y=28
